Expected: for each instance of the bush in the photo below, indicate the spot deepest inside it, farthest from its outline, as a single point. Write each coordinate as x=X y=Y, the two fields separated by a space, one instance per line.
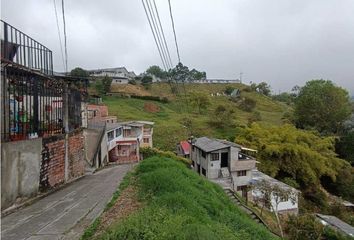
x=152 y=98
x=149 y=152
x=248 y=104
x=255 y=117
x=132 y=82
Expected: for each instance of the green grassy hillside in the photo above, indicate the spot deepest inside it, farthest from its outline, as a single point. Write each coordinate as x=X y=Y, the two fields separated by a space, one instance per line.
x=176 y=203
x=170 y=118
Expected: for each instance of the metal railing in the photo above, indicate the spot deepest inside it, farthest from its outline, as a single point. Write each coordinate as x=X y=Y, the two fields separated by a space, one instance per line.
x=19 y=48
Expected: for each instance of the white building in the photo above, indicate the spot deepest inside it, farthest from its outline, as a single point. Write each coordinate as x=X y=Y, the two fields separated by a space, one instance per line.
x=219 y=159
x=119 y=75
x=287 y=205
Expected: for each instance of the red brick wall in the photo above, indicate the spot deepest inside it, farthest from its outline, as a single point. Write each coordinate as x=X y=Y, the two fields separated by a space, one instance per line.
x=53 y=159
x=102 y=110
x=53 y=162
x=76 y=155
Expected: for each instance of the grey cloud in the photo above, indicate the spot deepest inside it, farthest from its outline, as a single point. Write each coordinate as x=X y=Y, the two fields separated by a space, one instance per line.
x=283 y=42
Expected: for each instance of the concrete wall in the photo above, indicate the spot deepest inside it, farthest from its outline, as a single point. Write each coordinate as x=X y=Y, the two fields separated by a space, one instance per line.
x=20 y=170
x=91 y=138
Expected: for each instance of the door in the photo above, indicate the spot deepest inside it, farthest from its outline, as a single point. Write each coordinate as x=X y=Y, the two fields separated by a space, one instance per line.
x=224 y=159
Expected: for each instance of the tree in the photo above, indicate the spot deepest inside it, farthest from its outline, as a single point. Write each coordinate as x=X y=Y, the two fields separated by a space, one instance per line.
x=304 y=227
x=99 y=88
x=287 y=152
x=79 y=72
x=157 y=71
x=181 y=73
x=196 y=75
x=322 y=106
x=263 y=88
x=271 y=195
x=146 y=81
x=106 y=82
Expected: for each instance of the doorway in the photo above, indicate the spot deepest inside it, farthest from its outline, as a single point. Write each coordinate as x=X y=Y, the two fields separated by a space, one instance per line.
x=224 y=159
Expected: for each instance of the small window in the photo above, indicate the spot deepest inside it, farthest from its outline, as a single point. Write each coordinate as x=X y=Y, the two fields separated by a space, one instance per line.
x=146 y=140
x=118 y=132
x=110 y=135
x=204 y=171
x=241 y=173
x=203 y=154
x=241 y=188
x=193 y=164
x=214 y=156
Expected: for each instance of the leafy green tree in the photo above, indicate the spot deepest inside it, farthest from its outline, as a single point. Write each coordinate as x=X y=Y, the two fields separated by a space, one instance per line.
x=304 y=227
x=146 y=81
x=181 y=73
x=345 y=147
x=293 y=153
x=196 y=75
x=99 y=88
x=263 y=88
x=157 y=71
x=106 y=82
x=322 y=106
x=79 y=72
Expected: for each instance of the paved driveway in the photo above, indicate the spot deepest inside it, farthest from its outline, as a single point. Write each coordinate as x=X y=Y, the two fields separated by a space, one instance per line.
x=66 y=213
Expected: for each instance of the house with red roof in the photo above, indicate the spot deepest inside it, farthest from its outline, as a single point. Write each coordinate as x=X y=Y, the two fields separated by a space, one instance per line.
x=183 y=149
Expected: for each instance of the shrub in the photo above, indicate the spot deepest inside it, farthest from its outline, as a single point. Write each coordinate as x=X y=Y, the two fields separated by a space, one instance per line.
x=248 y=104
x=149 y=152
x=255 y=117
x=132 y=82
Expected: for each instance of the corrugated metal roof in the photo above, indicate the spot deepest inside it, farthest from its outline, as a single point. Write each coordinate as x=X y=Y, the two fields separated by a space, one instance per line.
x=209 y=145
x=185 y=146
x=259 y=176
x=336 y=222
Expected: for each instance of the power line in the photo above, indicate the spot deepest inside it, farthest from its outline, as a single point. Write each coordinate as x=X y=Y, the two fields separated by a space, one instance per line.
x=153 y=18
x=174 y=31
x=65 y=46
x=153 y=33
x=59 y=35
x=163 y=34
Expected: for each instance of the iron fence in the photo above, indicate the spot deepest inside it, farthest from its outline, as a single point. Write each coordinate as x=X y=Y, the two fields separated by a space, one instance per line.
x=17 y=47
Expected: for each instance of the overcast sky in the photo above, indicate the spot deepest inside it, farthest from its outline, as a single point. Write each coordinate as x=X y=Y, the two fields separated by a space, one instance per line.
x=282 y=42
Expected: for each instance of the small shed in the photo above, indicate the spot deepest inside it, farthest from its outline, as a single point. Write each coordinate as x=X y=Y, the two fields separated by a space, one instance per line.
x=235 y=93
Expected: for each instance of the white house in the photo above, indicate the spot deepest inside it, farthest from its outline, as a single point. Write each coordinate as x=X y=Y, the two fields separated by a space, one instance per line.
x=119 y=75
x=223 y=160
x=287 y=205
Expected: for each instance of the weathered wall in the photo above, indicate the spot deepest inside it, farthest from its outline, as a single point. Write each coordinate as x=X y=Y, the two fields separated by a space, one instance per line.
x=76 y=155
x=53 y=162
x=20 y=170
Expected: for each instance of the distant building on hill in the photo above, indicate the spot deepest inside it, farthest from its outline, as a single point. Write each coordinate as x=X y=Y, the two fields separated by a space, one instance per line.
x=119 y=75
x=216 y=81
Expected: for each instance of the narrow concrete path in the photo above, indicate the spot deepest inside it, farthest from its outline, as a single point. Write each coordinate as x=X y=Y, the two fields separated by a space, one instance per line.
x=66 y=213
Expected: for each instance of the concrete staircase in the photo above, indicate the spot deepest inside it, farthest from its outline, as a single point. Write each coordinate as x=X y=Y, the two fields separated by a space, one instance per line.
x=243 y=207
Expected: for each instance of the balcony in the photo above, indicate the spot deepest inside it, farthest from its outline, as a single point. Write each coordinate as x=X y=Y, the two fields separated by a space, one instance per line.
x=19 y=48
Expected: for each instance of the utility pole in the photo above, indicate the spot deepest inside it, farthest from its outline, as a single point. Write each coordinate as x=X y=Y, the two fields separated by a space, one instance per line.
x=241 y=73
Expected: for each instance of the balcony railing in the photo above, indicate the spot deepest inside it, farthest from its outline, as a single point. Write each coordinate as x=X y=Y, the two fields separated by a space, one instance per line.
x=19 y=48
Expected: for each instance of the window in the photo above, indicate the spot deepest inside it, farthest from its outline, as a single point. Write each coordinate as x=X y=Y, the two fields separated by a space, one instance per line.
x=146 y=140
x=203 y=154
x=110 y=135
x=241 y=188
x=118 y=132
x=214 y=156
x=241 y=173
x=193 y=164
x=204 y=171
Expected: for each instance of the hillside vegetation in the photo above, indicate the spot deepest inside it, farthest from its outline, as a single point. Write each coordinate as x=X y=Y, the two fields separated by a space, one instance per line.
x=176 y=203
x=178 y=119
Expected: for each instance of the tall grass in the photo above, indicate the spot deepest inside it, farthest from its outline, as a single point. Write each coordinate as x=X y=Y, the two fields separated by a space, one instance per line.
x=182 y=205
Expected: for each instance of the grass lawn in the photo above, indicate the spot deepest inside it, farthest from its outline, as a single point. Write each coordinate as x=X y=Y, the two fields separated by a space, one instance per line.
x=169 y=128
x=177 y=203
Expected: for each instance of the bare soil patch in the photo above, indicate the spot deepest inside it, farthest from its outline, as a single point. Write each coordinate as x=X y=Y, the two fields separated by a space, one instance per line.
x=151 y=107
x=126 y=204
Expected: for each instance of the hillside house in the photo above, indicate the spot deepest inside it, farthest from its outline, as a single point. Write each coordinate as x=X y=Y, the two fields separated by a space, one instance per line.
x=97 y=114
x=183 y=149
x=223 y=160
x=119 y=75
x=285 y=206
x=336 y=224
x=126 y=138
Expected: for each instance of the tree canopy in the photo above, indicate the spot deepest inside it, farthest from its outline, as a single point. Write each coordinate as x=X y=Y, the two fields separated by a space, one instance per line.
x=322 y=106
x=79 y=72
x=157 y=71
x=287 y=152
